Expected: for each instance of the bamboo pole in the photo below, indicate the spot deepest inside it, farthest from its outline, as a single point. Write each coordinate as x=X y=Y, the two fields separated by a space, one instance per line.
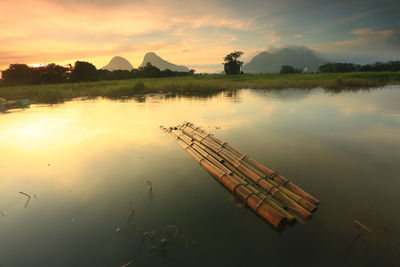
x=250 y=184
x=273 y=190
x=275 y=203
x=272 y=174
x=260 y=181
x=237 y=188
x=303 y=202
x=230 y=170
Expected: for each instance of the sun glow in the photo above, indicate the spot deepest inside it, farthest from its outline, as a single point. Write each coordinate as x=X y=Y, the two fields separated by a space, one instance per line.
x=37 y=65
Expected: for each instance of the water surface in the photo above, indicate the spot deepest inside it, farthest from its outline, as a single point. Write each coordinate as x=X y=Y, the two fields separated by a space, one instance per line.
x=87 y=163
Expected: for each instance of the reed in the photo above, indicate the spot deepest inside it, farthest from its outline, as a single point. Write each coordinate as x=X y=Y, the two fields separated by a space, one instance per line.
x=197 y=84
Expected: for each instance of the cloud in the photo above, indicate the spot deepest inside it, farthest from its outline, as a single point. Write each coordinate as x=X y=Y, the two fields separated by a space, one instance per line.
x=390 y=37
x=65 y=30
x=298 y=48
x=366 y=46
x=272 y=37
x=187 y=32
x=343 y=20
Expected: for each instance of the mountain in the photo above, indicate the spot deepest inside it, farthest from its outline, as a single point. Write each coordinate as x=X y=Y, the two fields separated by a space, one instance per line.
x=161 y=63
x=118 y=63
x=298 y=57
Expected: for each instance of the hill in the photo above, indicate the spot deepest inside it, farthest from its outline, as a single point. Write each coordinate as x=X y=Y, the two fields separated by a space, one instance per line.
x=161 y=63
x=271 y=62
x=118 y=63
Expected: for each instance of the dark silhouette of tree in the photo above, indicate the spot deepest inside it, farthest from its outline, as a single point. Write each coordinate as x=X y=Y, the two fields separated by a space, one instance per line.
x=80 y=72
x=339 y=67
x=168 y=73
x=286 y=69
x=135 y=73
x=18 y=74
x=350 y=67
x=150 y=71
x=105 y=74
x=84 y=72
x=144 y=72
x=231 y=63
x=51 y=73
x=380 y=66
x=23 y=74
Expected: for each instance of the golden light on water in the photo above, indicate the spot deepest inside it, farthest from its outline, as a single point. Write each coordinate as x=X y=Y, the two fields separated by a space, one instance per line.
x=63 y=142
x=72 y=125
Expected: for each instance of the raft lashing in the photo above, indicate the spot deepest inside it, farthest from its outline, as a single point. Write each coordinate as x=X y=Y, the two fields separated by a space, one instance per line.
x=266 y=192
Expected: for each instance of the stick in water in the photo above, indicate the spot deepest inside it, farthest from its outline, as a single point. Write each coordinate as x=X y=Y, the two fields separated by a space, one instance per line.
x=359 y=225
x=25 y=194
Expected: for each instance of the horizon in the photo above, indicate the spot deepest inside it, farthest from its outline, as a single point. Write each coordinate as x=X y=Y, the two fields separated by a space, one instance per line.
x=196 y=35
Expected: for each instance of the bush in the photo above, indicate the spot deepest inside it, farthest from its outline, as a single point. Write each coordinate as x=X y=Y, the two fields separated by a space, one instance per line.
x=139 y=86
x=286 y=69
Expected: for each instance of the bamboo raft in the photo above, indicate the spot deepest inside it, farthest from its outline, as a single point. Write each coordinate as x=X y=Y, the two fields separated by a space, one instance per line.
x=266 y=192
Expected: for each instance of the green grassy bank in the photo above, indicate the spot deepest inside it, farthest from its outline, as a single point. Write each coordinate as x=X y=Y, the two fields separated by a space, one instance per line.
x=201 y=84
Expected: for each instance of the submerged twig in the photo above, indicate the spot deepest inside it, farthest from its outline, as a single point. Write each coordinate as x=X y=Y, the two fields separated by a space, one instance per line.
x=150 y=187
x=27 y=202
x=150 y=235
x=127 y=264
x=361 y=226
x=170 y=228
x=25 y=194
x=132 y=211
x=161 y=246
x=353 y=242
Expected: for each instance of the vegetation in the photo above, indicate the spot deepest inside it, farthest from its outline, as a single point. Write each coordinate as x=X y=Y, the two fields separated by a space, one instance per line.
x=350 y=67
x=197 y=84
x=232 y=64
x=286 y=69
x=84 y=72
x=22 y=74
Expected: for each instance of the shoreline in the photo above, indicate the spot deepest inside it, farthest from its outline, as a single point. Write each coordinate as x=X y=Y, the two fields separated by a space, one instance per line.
x=199 y=84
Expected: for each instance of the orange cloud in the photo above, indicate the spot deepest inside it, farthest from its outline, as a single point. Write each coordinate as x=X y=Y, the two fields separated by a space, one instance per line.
x=47 y=31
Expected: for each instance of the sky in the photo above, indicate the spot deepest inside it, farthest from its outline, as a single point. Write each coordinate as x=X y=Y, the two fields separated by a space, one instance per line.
x=197 y=34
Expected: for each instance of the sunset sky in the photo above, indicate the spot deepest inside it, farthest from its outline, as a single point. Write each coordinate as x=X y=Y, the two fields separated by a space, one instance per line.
x=194 y=33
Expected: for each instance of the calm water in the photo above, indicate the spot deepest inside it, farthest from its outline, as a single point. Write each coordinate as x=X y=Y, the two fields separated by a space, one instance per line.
x=87 y=163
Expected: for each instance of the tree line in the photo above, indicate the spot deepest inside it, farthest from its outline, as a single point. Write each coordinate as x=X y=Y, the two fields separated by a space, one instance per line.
x=81 y=71
x=347 y=67
x=350 y=67
x=232 y=65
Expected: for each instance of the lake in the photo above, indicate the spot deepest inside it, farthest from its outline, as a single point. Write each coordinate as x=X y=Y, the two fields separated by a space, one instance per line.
x=86 y=164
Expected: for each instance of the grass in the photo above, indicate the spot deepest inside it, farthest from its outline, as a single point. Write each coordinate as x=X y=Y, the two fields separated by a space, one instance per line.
x=198 y=85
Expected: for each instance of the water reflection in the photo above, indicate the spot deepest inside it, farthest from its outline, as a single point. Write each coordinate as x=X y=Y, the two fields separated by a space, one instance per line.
x=89 y=162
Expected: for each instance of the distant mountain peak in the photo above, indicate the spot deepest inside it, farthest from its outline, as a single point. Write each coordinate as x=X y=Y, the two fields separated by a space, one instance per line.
x=271 y=61
x=160 y=63
x=118 y=63
x=151 y=54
